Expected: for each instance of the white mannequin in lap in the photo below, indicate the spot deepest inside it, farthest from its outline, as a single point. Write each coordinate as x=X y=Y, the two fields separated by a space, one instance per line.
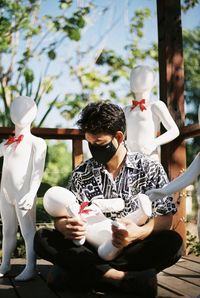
x=23 y=165
x=187 y=178
x=59 y=202
x=144 y=118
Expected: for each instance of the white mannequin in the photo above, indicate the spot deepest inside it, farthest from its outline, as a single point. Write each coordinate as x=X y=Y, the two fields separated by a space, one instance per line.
x=143 y=120
x=188 y=177
x=22 y=172
x=59 y=201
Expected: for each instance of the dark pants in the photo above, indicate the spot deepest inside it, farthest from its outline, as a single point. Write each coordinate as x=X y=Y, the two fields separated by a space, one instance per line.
x=158 y=251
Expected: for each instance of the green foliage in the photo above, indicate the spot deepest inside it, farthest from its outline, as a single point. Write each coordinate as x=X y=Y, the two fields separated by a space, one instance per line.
x=191 y=43
x=187 y=4
x=22 y=35
x=192 y=244
x=109 y=72
x=41 y=215
x=59 y=164
x=20 y=251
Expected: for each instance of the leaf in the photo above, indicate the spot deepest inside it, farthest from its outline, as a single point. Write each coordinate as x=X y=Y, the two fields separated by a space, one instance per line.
x=29 y=75
x=52 y=55
x=74 y=34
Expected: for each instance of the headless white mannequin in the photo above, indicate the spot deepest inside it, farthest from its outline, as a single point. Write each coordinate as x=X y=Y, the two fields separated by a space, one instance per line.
x=22 y=172
x=188 y=177
x=143 y=119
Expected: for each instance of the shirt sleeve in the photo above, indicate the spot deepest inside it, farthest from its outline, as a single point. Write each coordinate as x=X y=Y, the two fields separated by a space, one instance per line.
x=157 y=179
x=75 y=186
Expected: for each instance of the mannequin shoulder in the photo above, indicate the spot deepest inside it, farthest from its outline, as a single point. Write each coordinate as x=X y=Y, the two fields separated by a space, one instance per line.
x=39 y=143
x=158 y=107
x=159 y=104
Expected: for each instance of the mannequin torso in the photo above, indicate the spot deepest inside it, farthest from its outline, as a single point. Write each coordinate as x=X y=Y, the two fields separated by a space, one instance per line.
x=143 y=125
x=16 y=178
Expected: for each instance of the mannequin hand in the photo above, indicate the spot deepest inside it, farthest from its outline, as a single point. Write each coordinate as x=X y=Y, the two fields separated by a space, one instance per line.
x=71 y=227
x=123 y=237
x=156 y=194
x=26 y=203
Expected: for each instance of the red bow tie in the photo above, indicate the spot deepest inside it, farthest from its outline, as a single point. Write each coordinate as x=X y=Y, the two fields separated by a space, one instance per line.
x=140 y=103
x=12 y=140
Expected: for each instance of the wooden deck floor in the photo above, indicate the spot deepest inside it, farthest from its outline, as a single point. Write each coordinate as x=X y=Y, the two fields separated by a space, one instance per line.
x=180 y=280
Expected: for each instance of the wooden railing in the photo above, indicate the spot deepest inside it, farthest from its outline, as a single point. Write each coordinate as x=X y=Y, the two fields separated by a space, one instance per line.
x=77 y=137
x=56 y=134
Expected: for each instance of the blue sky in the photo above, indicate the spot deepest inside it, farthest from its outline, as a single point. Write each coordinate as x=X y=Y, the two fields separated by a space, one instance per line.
x=119 y=13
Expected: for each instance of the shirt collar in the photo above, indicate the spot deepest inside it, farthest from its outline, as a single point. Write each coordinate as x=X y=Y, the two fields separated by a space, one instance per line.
x=132 y=159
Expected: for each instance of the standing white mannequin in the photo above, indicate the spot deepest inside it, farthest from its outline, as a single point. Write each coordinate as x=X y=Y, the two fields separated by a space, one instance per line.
x=23 y=165
x=143 y=117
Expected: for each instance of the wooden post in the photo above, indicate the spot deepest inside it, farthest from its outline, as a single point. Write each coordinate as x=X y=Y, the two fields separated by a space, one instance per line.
x=171 y=74
x=77 y=152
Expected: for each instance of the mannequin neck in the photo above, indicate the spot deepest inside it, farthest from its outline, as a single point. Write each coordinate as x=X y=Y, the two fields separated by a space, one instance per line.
x=142 y=95
x=22 y=130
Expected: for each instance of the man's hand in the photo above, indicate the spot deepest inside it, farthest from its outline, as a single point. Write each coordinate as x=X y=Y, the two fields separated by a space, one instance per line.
x=71 y=228
x=133 y=232
x=124 y=236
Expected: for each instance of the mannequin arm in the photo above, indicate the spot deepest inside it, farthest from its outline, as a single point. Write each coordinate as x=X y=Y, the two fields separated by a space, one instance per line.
x=39 y=154
x=161 y=111
x=2 y=148
x=179 y=183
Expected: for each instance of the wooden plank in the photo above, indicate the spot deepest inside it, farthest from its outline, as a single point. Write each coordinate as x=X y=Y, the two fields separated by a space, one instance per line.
x=176 y=285
x=185 y=283
x=48 y=133
x=163 y=292
x=190 y=131
x=194 y=266
x=33 y=288
x=6 y=289
x=192 y=258
x=29 y=288
x=188 y=275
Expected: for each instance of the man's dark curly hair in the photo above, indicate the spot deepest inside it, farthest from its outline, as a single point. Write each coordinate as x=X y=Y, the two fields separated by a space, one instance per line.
x=102 y=117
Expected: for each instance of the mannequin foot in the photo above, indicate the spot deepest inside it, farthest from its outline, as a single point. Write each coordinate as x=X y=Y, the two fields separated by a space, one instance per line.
x=26 y=274
x=4 y=269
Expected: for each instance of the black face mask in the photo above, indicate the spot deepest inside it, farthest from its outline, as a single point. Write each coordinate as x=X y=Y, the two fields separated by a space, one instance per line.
x=102 y=153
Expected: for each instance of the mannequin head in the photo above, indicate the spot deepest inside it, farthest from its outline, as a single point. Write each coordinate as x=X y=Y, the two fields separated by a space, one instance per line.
x=142 y=79
x=23 y=111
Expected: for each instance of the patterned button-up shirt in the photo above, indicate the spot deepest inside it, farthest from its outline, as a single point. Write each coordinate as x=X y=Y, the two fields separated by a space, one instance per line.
x=91 y=180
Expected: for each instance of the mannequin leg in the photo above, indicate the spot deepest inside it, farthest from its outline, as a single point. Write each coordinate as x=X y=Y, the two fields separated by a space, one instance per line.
x=27 y=225
x=10 y=227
